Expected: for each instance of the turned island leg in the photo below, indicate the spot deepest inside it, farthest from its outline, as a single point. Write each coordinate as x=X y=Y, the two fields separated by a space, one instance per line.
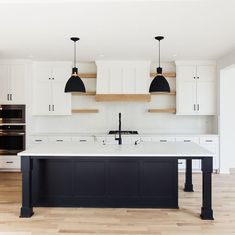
x=26 y=169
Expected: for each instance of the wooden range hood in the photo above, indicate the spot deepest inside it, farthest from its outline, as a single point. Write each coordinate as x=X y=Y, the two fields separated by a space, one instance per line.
x=123 y=81
x=123 y=97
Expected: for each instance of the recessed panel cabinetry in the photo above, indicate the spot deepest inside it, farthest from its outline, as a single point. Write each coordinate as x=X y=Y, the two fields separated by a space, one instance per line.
x=49 y=79
x=196 y=88
x=12 y=80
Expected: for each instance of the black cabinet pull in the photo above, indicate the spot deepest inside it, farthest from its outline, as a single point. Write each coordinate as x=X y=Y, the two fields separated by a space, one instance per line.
x=187 y=140
x=53 y=107
x=38 y=140
x=163 y=140
x=9 y=162
x=49 y=107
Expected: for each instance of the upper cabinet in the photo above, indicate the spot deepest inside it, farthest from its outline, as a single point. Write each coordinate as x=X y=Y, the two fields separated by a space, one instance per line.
x=49 y=79
x=12 y=80
x=117 y=79
x=196 y=88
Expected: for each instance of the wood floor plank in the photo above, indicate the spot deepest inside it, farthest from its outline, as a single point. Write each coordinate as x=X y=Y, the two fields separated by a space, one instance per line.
x=88 y=221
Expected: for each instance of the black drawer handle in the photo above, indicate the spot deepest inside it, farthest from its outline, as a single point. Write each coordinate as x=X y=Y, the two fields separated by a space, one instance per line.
x=9 y=162
x=187 y=140
x=38 y=140
x=180 y=163
x=59 y=140
x=163 y=140
x=209 y=141
x=83 y=140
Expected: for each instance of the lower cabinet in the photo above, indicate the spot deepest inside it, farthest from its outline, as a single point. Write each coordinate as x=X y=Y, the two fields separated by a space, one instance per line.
x=9 y=163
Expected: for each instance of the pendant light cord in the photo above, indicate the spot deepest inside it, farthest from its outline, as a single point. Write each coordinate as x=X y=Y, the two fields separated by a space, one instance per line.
x=159 y=54
x=74 y=54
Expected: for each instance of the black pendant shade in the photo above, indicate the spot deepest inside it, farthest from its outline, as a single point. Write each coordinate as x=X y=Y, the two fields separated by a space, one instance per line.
x=159 y=83
x=75 y=83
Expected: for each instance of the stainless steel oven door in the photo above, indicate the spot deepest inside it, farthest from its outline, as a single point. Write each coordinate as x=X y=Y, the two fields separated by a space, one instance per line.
x=12 y=113
x=11 y=143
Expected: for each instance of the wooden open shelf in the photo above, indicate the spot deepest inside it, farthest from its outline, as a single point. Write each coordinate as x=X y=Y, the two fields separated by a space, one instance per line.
x=123 y=97
x=94 y=75
x=88 y=93
x=85 y=110
x=167 y=74
x=164 y=93
x=172 y=110
x=87 y=75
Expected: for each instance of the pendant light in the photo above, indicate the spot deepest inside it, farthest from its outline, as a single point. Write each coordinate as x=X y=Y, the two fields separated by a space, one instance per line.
x=75 y=83
x=159 y=83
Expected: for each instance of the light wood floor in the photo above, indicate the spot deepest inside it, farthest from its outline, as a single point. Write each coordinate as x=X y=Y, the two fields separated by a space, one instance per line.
x=71 y=221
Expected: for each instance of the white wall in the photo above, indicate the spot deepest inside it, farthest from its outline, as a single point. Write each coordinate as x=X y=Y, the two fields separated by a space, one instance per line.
x=135 y=115
x=227 y=117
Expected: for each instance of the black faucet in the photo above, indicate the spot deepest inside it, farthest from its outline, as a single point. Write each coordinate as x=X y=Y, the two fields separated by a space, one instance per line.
x=119 y=130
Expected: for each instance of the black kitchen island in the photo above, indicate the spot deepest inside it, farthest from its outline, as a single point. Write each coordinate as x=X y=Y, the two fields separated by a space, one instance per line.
x=87 y=175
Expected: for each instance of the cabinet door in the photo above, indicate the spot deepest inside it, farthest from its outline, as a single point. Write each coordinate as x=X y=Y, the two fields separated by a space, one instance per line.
x=17 y=84
x=186 y=90
x=61 y=72
x=42 y=72
x=186 y=73
x=42 y=99
x=186 y=98
x=4 y=81
x=206 y=73
x=206 y=98
x=61 y=101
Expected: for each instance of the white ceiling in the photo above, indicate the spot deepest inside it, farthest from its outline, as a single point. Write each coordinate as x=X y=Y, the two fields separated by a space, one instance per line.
x=195 y=29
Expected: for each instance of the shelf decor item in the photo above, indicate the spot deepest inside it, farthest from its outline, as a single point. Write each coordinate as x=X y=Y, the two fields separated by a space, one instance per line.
x=159 y=83
x=75 y=83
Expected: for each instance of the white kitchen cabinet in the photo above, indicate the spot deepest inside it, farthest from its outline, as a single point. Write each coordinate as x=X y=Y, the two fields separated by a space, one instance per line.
x=196 y=164
x=10 y=163
x=59 y=139
x=12 y=80
x=83 y=139
x=212 y=144
x=196 y=88
x=49 y=79
x=163 y=139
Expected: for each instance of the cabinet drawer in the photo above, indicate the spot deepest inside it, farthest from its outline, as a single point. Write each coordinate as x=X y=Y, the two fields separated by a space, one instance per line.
x=187 y=139
x=163 y=139
x=83 y=139
x=59 y=139
x=11 y=162
x=208 y=140
x=39 y=140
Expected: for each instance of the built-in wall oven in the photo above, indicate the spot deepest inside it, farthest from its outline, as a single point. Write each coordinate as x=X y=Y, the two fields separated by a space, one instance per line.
x=12 y=113
x=12 y=129
x=12 y=139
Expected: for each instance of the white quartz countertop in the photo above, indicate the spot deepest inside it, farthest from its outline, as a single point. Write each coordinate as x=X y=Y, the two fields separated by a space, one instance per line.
x=145 y=149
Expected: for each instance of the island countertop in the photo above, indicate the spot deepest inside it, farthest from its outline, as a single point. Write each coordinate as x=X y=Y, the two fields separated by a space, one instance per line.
x=146 y=149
